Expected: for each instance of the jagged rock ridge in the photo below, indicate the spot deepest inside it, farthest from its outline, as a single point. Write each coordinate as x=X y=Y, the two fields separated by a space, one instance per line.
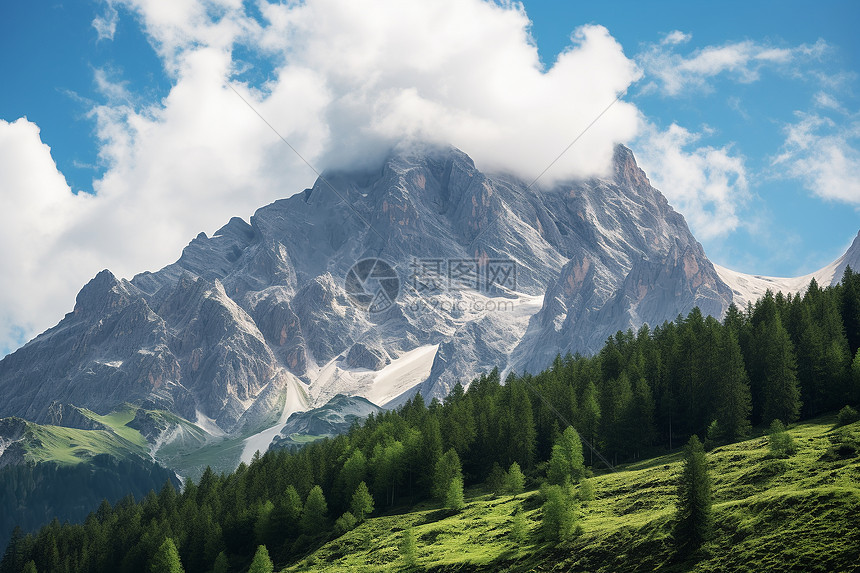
x=259 y=309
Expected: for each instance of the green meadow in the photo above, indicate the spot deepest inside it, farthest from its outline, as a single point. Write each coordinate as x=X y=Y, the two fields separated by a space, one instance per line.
x=799 y=513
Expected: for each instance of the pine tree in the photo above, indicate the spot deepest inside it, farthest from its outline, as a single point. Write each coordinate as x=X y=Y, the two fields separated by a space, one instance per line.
x=585 y=493
x=30 y=567
x=408 y=548
x=854 y=389
x=641 y=415
x=362 y=502
x=611 y=360
x=429 y=452
x=781 y=393
x=314 y=514
x=261 y=563
x=734 y=320
x=454 y=496
x=836 y=362
x=344 y=523
x=779 y=440
x=288 y=511
x=388 y=462
x=616 y=396
x=851 y=308
x=589 y=413
x=558 y=514
x=459 y=423
x=693 y=518
x=221 y=564
x=847 y=415
x=837 y=374
x=519 y=527
x=447 y=469
x=705 y=371
x=515 y=481
x=809 y=344
x=733 y=399
x=13 y=559
x=566 y=466
x=496 y=479
x=166 y=559
x=520 y=423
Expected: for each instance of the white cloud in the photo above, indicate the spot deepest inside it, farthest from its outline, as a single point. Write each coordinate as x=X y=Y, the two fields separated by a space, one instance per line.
x=827 y=101
x=707 y=184
x=823 y=155
x=114 y=91
x=42 y=269
x=460 y=72
x=350 y=78
x=675 y=73
x=675 y=37
x=105 y=25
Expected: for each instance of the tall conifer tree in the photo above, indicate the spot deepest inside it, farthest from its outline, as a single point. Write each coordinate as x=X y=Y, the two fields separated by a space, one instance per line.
x=693 y=518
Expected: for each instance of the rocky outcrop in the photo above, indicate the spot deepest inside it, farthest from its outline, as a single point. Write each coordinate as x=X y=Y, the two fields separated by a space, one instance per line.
x=335 y=417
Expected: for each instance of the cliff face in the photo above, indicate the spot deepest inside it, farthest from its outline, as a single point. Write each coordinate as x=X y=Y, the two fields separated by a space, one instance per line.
x=488 y=273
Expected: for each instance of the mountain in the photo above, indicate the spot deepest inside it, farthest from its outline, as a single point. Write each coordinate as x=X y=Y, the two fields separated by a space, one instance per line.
x=749 y=288
x=375 y=283
x=635 y=262
x=334 y=418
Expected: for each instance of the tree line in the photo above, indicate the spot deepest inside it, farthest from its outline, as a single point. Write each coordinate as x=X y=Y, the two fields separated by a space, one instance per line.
x=32 y=494
x=784 y=357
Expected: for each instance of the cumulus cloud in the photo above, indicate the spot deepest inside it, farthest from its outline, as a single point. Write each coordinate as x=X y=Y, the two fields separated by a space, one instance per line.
x=41 y=267
x=674 y=73
x=454 y=71
x=346 y=81
x=823 y=154
x=707 y=184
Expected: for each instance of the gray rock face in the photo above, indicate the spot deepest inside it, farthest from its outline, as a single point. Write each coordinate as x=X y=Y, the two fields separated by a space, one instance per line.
x=362 y=355
x=335 y=417
x=11 y=450
x=220 y=332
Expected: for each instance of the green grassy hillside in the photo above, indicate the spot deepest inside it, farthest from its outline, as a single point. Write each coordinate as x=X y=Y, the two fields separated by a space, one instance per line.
x=45 y=443
x=800 y=513
x=118 y=422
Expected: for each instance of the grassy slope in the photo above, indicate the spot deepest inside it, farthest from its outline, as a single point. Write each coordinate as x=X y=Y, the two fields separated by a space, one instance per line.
x=189 y=451
x=117 y=421
x=72 y=446
x=801 y=513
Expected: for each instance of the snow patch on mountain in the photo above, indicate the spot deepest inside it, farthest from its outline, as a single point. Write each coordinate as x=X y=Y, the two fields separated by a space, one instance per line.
x=208 y=425
x=749 y=288
x=296 y=401
x=381 y=386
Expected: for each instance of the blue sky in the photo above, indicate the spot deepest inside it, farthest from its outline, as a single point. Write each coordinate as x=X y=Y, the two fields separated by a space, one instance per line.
x=793 y=233
x=745 y=114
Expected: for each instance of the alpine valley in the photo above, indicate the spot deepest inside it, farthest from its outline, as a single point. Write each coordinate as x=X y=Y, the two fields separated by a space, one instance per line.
x=251 y=337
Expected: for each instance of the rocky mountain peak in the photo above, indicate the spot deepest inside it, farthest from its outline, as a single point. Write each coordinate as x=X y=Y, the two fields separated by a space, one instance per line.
x=851 y=258
x=103 y=294
x=626 y=171
x=492 y=272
